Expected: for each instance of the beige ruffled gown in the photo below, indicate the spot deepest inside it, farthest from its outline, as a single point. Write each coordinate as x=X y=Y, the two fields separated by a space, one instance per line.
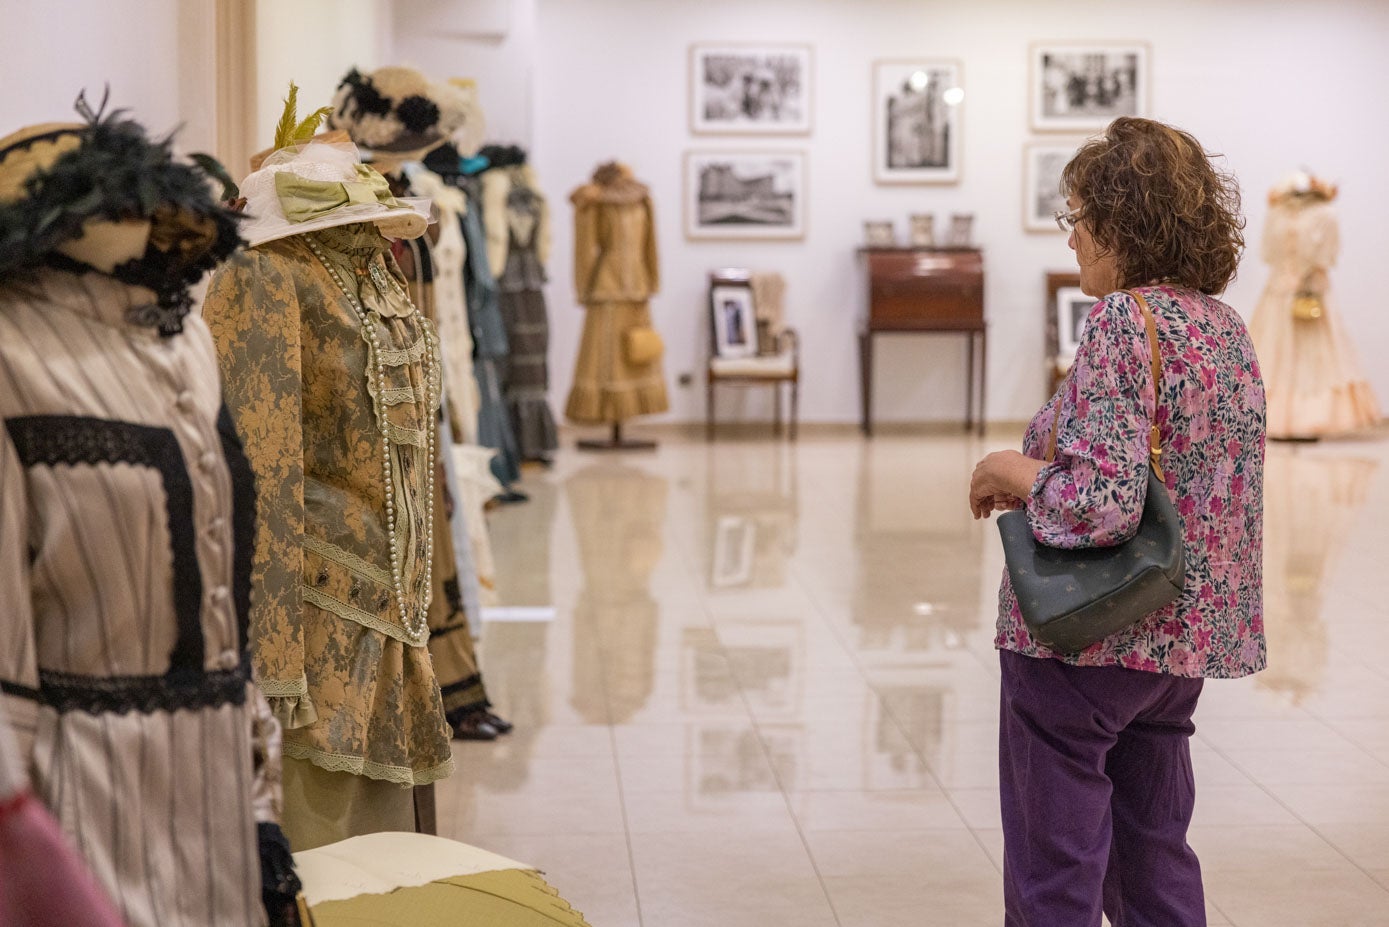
x=1310 y=371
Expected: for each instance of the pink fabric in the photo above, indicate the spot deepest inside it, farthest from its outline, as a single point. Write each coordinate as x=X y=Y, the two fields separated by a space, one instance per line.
x=43 y=883
x=1211 y=420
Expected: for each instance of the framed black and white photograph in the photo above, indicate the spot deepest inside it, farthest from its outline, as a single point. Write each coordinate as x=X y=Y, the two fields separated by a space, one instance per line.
x=735 y=321
x=1041 y=186
x=1081 y=86
x=916 y=121
x=750 y=89
x=1072 y=307
x=768 y=659
x=744 y=194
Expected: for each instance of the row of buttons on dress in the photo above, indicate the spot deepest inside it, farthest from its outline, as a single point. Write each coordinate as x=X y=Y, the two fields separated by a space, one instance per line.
x=208 y=461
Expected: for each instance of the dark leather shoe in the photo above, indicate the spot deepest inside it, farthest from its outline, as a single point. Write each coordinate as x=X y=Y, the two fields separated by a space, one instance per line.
x=474 y=727
x=501 y=726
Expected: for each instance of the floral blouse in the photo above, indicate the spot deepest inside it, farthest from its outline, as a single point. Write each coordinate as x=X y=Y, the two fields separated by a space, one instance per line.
x=1211 y=421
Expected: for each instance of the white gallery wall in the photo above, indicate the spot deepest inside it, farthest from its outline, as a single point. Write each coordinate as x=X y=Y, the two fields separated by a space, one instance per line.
x=55 y=48
x=1273 y=85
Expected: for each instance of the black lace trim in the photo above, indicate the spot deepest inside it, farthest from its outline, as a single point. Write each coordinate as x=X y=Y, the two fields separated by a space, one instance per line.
x=243 y=521
x=461 y=625
x=458 y=713
x=424 y=258
x=73 y=440
x=453 y=595
x=19 y=691
x=98 y=695
x=473 y=680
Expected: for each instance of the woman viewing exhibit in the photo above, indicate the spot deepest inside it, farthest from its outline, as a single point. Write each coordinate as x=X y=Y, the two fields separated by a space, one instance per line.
x=1094 y=756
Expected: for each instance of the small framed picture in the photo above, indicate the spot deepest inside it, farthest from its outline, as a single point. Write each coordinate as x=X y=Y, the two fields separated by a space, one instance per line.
x=739 y=89
x=923 y=230
x=916 y=121
x=879 y=233
x=733 y=194
x=1041 y=185
x=1082 y=86
x=735 y=321
x=1071 y=308
x=735 y=538
x=961 y=230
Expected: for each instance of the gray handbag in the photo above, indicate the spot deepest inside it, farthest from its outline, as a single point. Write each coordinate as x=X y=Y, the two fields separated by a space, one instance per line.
x=1071 y=599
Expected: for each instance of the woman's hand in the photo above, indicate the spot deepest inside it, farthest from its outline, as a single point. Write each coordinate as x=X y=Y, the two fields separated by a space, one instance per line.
x=1000 y=482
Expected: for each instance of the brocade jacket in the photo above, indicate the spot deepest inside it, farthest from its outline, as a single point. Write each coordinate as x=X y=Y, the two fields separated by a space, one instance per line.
x=351 y=683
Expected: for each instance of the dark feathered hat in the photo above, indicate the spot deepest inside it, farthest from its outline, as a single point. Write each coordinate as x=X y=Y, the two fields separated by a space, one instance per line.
x=62 y=183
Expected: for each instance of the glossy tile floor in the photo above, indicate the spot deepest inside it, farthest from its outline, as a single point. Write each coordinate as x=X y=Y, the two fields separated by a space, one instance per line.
x=768 y=696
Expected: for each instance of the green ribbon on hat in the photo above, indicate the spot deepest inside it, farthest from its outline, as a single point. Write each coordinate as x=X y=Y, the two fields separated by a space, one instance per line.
x=303 y=199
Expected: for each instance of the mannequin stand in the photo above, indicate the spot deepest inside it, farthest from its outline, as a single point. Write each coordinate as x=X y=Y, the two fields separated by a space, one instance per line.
x=616 y=442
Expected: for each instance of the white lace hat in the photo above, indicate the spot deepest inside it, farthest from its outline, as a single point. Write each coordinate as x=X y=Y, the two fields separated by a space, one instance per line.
x=325 y=185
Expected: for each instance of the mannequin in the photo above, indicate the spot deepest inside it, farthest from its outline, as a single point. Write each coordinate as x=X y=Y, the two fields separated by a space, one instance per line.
x=466 y=705
x=387 y=112
x=471 y=482
x=1315 y=387
x=490 y=346
x=126 y=525
x=334 y=378
x=517 y=219
x=618 y=374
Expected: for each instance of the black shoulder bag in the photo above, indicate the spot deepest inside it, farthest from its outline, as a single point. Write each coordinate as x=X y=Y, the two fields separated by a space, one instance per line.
x=1071 y=599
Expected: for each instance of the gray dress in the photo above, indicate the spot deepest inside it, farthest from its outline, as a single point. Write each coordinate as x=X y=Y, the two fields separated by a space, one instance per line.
x=490 y=346
x=527 y=379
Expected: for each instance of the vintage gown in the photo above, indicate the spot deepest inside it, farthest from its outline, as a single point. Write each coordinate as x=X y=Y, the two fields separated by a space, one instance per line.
x=616 y=272
x=126 y=522
x=1315 y=386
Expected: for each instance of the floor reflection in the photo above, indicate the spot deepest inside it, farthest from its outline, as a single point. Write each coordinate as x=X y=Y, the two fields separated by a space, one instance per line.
x=619 y=513
x=753 y=511
x=770 y=676
x=1311 y=500
x=525 y=531
x=917 y=551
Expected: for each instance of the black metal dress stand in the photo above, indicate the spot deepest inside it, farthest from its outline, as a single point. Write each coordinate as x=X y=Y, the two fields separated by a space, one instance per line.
x=616 y=442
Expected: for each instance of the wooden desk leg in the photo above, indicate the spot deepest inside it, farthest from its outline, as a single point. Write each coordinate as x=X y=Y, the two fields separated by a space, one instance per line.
x=795 y=403
x=983 y=375
x=776 y=408
x=969 y=382
x=865 y=369
x=709 y=408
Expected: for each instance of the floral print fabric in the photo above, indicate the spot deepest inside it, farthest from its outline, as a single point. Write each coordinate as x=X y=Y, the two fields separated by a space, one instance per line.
x=353 y=688
x=1211 y=421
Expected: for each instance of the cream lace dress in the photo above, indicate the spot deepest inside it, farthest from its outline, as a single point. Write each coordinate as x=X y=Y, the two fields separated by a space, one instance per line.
x=1310 y=371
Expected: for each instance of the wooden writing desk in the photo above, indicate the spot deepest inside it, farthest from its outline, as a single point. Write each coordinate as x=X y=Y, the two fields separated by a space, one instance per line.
x=926 y=291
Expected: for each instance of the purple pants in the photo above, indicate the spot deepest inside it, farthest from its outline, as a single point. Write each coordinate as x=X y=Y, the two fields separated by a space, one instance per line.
x=1097 y=792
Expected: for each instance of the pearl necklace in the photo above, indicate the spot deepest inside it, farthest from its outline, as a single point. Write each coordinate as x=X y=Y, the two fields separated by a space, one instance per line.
x=418 y=628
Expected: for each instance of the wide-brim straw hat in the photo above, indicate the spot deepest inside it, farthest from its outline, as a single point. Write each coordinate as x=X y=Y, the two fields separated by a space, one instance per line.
x=397 y=111
x=330 y=163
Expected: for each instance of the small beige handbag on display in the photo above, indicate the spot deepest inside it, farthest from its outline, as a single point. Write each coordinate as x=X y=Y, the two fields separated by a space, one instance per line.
x=642 y=345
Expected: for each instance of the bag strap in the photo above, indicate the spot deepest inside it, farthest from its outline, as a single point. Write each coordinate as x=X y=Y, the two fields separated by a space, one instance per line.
x=1154 y=442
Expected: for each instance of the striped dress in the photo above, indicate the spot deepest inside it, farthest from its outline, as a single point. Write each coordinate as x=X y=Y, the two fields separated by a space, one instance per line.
x=125 y=539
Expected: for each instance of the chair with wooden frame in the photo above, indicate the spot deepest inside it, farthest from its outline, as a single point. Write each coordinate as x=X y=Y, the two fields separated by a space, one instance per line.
x=776 y=363
x=1057 y=365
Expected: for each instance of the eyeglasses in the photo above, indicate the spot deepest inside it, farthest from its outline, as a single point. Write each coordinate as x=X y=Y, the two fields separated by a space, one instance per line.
x=1066 y=221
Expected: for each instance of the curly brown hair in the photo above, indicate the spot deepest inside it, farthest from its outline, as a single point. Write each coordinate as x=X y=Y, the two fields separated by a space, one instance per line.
x=1150 y=196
